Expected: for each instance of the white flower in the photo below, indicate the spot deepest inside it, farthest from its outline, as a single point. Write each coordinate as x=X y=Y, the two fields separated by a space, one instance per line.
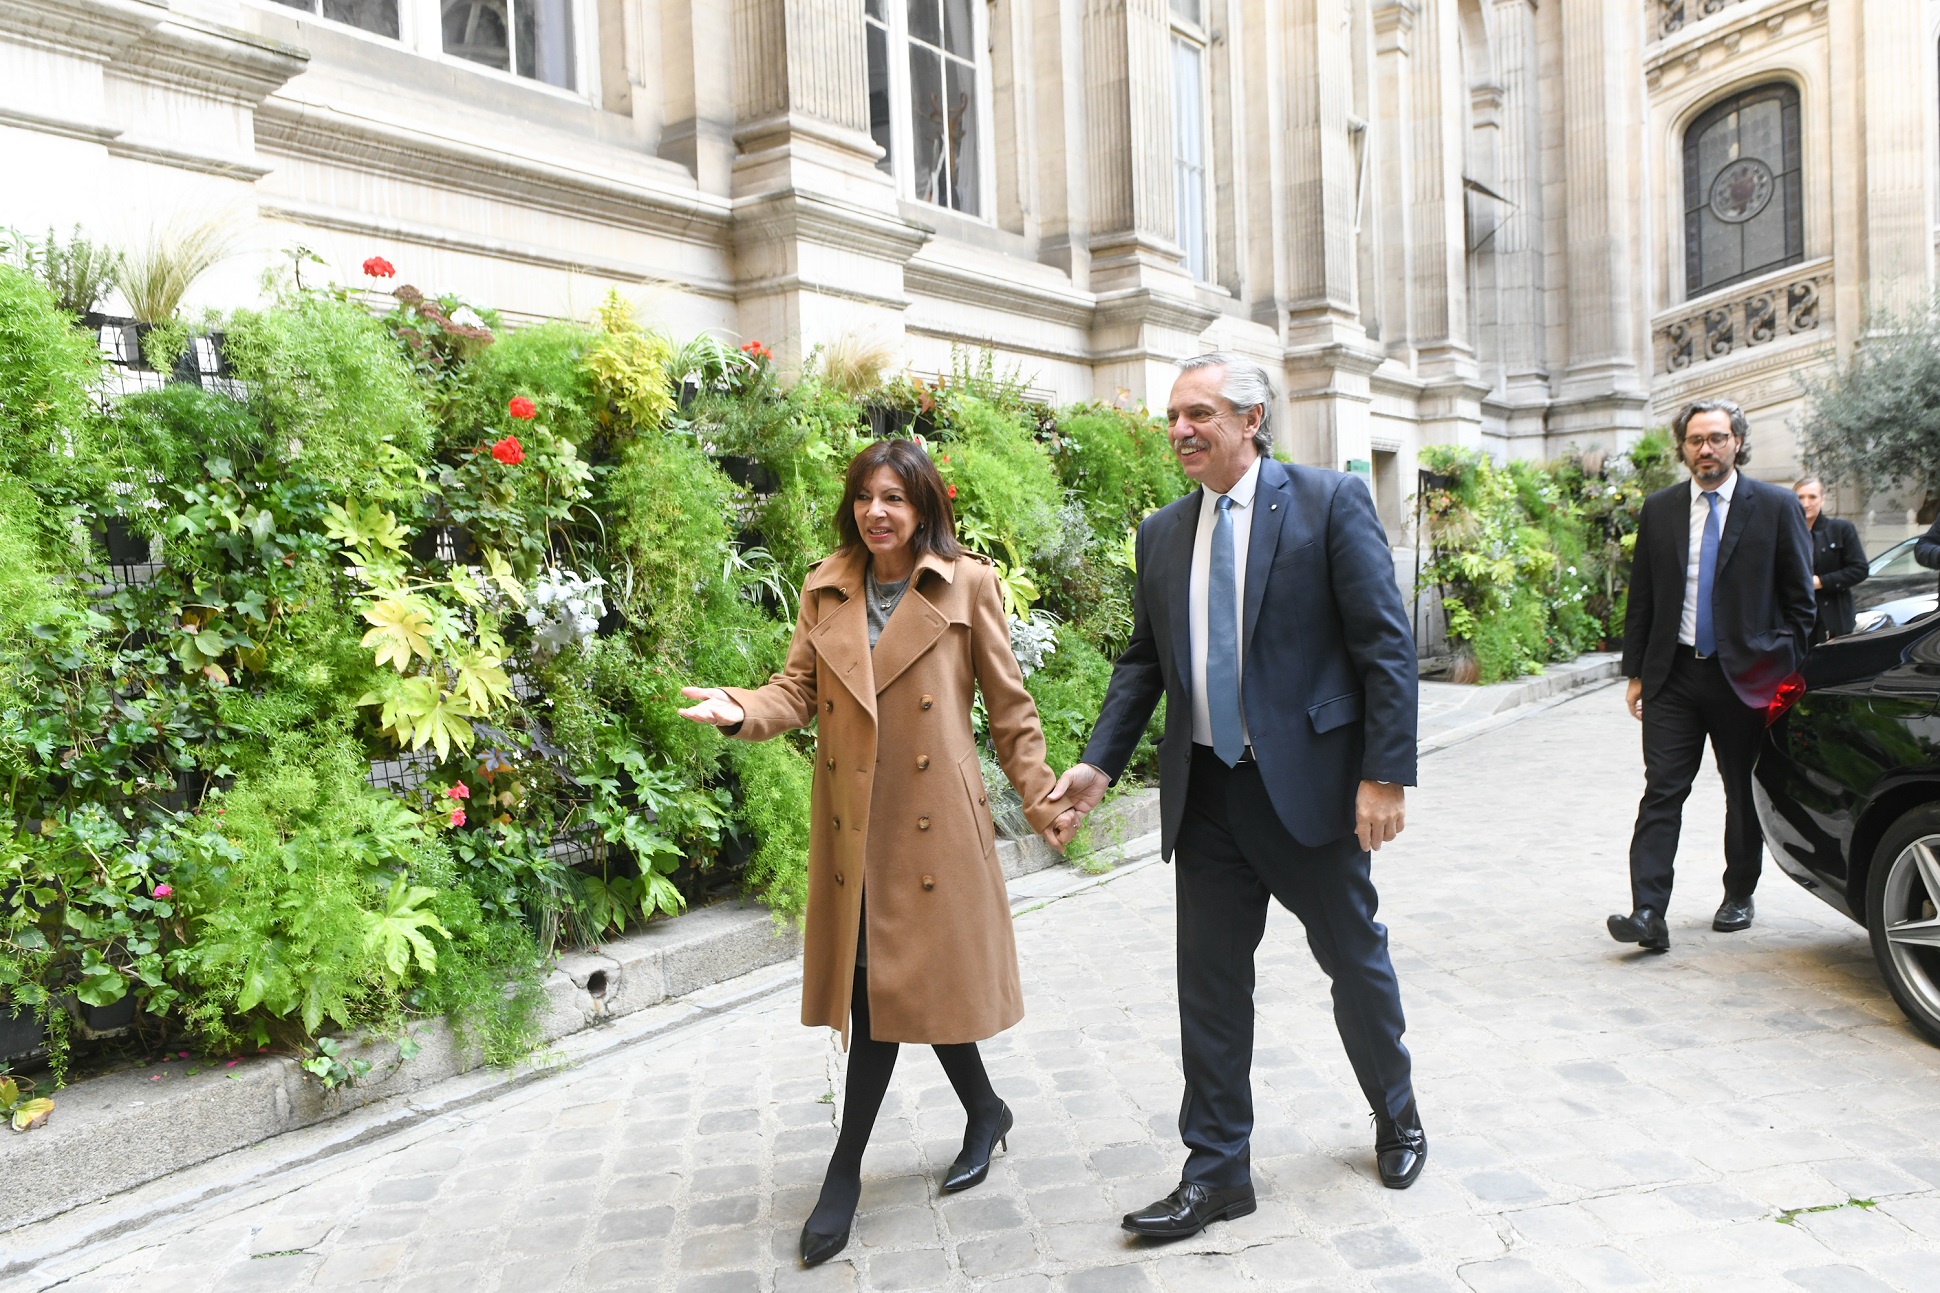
x=466 y=317
x=565 y=610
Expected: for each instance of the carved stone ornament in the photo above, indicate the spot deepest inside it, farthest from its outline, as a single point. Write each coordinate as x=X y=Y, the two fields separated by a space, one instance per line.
x=1743 y=189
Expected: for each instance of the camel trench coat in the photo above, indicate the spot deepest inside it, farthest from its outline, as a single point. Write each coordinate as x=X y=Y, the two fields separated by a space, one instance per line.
x=899 y=797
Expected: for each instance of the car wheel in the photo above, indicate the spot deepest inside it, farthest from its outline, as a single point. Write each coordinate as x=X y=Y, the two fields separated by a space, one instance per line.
x=1903 y=915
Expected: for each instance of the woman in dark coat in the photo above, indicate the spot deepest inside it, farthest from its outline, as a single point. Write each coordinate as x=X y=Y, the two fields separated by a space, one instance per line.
x=908 y=930
x=1838 y=562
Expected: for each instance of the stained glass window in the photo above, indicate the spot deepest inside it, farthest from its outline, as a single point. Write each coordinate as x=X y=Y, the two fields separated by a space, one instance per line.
x=1743 y=192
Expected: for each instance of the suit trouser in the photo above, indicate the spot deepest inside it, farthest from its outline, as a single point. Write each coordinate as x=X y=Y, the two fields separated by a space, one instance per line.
x=1695 y=702
x=1231 y=857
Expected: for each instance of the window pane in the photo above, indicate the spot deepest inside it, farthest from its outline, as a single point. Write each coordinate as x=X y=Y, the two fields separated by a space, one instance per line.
x=308 y=6
x=545 y=41
x=966 y=142
x=926 y=122
x=874 y=9
x=379 y=16
x=1189 y=154
x=1742 y=189
x=926 y=21
x=959 y=36
x=477 y=30
x=879 y=94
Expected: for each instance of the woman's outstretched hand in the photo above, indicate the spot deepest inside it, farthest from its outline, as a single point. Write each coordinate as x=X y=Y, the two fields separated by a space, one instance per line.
x=715 y=708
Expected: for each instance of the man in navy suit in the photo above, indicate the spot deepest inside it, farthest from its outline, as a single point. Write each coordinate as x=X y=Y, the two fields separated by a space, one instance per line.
x=1720 y=615
x=1267 y=614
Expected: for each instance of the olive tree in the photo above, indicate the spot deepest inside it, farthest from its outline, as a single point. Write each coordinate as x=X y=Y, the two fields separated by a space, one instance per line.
x=1877 y=423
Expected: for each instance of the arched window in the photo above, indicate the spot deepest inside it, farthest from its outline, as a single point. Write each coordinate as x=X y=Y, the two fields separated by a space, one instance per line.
x=1744 y=211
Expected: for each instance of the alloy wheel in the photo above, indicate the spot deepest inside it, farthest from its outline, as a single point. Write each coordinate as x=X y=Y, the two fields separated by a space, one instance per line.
x=1910 y=909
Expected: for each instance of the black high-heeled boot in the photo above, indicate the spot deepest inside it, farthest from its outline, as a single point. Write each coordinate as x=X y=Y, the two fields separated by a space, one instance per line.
x=829 y=1226
x=973 y=1164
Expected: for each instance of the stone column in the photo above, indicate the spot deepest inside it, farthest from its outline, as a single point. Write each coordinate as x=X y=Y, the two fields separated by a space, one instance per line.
x=1517 y=243
x=819 y=243
x=1440 y=324
x=1320 y=159
x=698 y=102
x=1602 y=389
x=1057 y=71
x=1128 y=112
x=1393 y=182
x=1897 y=93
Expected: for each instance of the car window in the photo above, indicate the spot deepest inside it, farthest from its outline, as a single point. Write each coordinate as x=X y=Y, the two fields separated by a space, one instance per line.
x=1896 y=560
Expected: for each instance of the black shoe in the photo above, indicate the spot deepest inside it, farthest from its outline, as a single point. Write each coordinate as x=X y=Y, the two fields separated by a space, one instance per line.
x=1400 y=1148
x=1644 y=926
x=973 y=1164
x=818 y=1248
x=1733 y=914
x=1188 y=1210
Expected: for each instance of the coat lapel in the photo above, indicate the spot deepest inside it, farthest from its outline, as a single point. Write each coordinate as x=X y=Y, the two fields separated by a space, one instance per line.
x=913 y=629
x=1269 y=517
x=841 y=635
x=1744 y=500
x=1176 y=552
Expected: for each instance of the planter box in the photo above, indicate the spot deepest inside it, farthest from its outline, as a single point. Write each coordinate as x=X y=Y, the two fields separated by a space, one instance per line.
x=21 y=1036
x=95 y=1022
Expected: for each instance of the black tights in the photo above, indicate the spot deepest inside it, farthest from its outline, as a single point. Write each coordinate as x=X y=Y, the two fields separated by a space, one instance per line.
x=870 y=1064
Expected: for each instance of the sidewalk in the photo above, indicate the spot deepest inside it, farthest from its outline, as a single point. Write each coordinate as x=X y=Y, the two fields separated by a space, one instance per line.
x=93 y=1165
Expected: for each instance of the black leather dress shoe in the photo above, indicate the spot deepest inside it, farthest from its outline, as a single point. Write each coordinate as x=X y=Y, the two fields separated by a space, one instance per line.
x=1644 y=926
x=1188 y=1210
x=973 y=1164
x=1733 y=914
x=1400 y=1148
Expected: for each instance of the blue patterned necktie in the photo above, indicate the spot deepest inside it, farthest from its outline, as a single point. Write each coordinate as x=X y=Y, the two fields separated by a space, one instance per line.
x=1222 y=643
x=1707 y=634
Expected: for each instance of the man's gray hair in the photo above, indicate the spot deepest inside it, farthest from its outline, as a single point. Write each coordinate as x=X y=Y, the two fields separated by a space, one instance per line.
x=1246 y=387
x=1740 y=425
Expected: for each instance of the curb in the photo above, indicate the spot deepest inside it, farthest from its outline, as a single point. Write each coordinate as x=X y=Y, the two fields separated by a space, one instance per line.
x=1462 y=713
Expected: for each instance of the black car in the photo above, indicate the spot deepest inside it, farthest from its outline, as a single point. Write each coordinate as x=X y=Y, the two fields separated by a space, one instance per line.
x=1848 y=791
x=1897 y=588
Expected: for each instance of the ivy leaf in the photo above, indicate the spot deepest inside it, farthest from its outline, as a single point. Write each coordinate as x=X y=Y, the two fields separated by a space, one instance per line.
x=398 y=931
x=399 y=633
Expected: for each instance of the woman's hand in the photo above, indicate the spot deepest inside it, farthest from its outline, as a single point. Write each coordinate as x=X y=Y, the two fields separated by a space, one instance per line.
x=715 y=708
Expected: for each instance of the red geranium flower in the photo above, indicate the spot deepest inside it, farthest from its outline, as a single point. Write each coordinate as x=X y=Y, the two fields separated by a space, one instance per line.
x=457 y=817
x=522 y=408
x=755 y=350
x=953 y=491
x=509 y=451
x=378 y=267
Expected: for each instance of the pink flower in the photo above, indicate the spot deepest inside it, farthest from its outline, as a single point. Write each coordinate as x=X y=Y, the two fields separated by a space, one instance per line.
x=457 y=818
x=378 y=267
x=184 y=1054
x=459 y=791
x=163 y=891
x=522 y=408
x=509 y=451
x=232 y=1064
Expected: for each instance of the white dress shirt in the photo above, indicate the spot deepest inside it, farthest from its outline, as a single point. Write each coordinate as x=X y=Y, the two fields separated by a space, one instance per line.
x=1199 y=591
x=1687 y=624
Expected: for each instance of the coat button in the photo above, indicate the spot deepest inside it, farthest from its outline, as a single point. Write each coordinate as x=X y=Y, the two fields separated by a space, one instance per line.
x=831 y=765
x=922 y=823
x=980 y=799
x=928 y=701
x=929 y=882
x=922 y=762
x=835 y=823
x=828 y=706
x=838 y=877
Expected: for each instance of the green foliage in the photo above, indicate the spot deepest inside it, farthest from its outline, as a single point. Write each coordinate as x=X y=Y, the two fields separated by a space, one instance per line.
x=1877 y=424
x=544 y=363
x=327 y=381
x=49 y=428
x=1533 y=560
x=1119 y=462
x=1007 y=491
x=776 y=779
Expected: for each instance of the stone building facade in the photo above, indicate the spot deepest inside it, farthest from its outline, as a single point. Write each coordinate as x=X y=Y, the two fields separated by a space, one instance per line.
x=1517 y=224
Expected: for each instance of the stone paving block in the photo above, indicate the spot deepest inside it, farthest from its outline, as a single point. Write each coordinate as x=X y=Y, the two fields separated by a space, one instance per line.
x=351 y=1265
x=1609 y=1268
x=1109 y=1279
x=1837 y=1279
x=1000 y=1253
x=1512 y=1275
x=918 y=1269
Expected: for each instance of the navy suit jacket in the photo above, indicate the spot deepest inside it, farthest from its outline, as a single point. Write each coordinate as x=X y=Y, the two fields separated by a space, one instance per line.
x=1761 y=597
x=1327 y=674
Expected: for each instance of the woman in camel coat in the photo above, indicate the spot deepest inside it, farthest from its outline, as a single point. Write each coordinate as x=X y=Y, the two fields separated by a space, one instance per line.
x=908 y=934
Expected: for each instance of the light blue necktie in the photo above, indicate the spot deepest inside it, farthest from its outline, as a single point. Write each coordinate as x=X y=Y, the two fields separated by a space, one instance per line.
x=1222 y=643
x=1707 y=634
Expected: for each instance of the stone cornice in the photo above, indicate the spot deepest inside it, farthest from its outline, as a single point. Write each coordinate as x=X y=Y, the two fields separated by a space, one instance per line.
x=1143 y=305
x=1723 y=35
x=96 y=30
x=315 y=133
x=218 y=62
x=828 y=221
x=964 y=286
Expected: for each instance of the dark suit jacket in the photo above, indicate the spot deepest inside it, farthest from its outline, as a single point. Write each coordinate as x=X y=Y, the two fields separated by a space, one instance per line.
x=1327 y=672
x=1839 y=561
x=1927 y=550
x=1761 y=600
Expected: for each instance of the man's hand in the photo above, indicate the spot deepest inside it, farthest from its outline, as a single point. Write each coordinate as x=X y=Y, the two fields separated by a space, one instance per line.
x=1633 y=698
x=715 y=708
x=1816 y=583
x=1081 y=787
x=1380 y=813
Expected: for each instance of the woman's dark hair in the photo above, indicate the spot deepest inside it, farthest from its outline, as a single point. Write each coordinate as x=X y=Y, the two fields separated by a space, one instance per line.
x=936 y=522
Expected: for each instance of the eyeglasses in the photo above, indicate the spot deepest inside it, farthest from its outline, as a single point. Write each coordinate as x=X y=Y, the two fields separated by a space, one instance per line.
x=1717 y=440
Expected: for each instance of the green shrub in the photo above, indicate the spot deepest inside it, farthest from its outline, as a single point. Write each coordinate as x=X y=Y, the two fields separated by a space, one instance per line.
x=1008 y=495
x=1119 y=462
x=49 y=427
x=776 y=779
x=546 y=364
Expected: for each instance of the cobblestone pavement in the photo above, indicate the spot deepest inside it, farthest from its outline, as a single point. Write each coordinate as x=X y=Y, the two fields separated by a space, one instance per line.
x=1748 y=1112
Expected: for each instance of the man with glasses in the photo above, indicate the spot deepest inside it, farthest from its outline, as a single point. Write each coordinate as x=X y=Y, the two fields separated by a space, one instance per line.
x=1267 y=614
x=1720 y=612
